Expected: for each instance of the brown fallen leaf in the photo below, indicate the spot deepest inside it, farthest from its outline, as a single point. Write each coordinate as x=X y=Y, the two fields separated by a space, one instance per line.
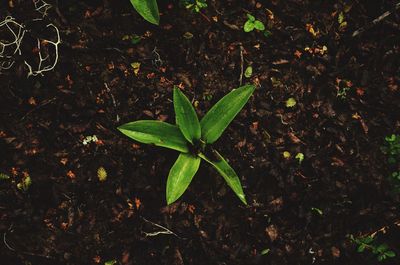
x=337 y=162
x=335 y=252
x=294 y=138
x=272 y=232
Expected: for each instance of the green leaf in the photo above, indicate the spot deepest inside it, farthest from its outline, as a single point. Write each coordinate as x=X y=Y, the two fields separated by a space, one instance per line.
x=223 y=112
x=248 y=26
x=382 y=248
x=361 y=248
x=248 y=72
x=148 y=9
x=4 y=176
x=227 y=173
x=157 y=133
x=390 y=254
x=259 y=25
x=186 y=117
x=180 y=176
x=367 y=239
x=251 y=17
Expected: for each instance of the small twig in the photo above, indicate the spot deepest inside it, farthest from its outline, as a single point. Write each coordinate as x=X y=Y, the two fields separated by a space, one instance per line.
x=5 y=242
x=164 y=231
x=205 y=17
x=241 y=64
x=44 y=103
x=376 y=21
x=113 y=100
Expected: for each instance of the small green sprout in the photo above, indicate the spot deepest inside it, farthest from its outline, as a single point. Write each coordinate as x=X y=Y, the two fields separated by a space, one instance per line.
x=110 y=262
x=290 y=102
x=265 y=251
x=381 y=251
x=252 y=24
x=193 y=139
x=248 y=72
x=4 y=176
x=300 y=157
x=25 y=183
x=194 y=5
x=392 y=148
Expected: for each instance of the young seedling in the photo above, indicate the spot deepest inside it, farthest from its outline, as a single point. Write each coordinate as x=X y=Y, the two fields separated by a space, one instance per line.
x=193 y=139
x=194 y=5
x=381 y=251
x=252 y=24
x=392 y=148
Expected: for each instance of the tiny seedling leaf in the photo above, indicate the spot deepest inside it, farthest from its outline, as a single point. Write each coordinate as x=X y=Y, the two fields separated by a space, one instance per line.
x=4 y=176
x=248 y=26
x=227 y=173
x=361 y=248
x=259 y=25
x=300 y=157
x=223 y=112
x=157 y=133
x=251 y=17
x=186 y=117
x=248 y=72
x=290 y=102
x=390 y=254
x=180 y=176
x=148 y=9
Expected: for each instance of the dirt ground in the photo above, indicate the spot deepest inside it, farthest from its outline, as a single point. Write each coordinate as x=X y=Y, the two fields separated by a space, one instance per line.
x=114 y=67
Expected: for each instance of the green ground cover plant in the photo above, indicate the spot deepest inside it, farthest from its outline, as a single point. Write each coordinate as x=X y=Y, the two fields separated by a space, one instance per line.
x=381 y=251
x=193 y=139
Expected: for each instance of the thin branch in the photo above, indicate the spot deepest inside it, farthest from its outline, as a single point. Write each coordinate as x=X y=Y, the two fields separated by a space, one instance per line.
x=376 y=20
x=164 y=231
x=241 y=64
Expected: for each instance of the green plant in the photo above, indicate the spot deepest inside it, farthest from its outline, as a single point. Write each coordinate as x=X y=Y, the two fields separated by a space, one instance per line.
x=381 y=251
x=194 y=5
x=193 y=138
x=392 y=148
x=148 y=9
x=395 y=181
x=252 y=24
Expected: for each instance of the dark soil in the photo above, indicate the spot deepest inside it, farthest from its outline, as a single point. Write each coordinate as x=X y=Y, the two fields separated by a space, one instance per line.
x=67 y=216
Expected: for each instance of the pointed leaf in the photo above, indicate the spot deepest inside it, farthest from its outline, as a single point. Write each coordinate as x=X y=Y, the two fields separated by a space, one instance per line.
x=223 y=112
x=180 y=176
x=186 y=117
x=148 y=9
x=227 y=173
x=157 y=133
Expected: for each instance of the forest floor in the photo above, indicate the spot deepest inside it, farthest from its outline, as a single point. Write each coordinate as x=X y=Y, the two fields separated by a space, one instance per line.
x=114 y=67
